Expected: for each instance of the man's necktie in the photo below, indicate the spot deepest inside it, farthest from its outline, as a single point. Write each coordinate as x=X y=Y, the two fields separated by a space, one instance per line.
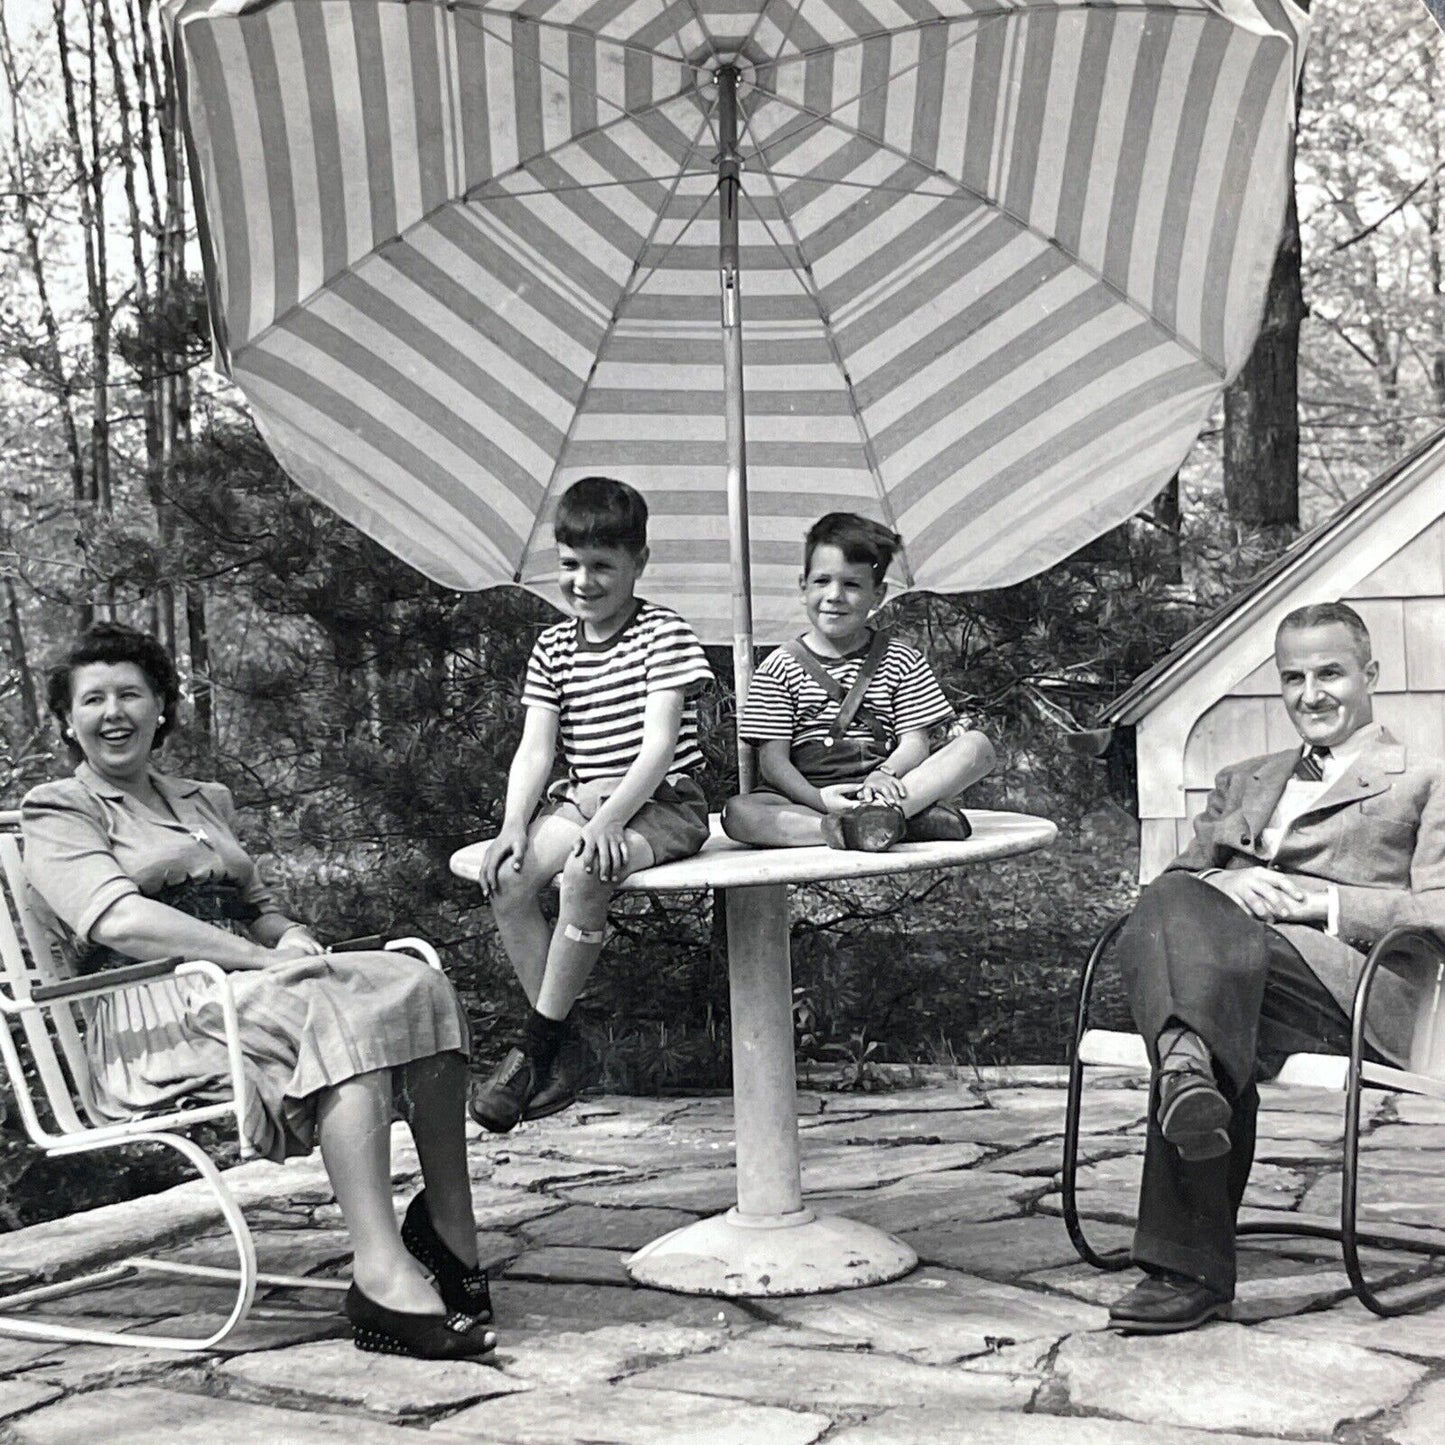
x=1310 y=767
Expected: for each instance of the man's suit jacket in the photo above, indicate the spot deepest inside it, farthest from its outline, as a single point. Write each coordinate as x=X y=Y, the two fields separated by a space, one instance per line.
x=1377 y=833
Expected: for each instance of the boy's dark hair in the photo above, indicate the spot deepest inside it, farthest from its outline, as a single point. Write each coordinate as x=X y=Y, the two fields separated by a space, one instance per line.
x=114 y=642
x=601 y=512
x=1325 y=614
x=858 y=538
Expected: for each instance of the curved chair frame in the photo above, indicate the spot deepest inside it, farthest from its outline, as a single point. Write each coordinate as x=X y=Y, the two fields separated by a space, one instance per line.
x=38 y=1007
x=1359 y=1074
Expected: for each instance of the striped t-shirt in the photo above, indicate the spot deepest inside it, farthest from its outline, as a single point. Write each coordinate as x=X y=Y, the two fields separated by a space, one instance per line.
x=600 y=689
x=786 y=702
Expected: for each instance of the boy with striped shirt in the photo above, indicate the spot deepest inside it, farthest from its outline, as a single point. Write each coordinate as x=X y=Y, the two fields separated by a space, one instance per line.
x=842 y=717
x=618 y=685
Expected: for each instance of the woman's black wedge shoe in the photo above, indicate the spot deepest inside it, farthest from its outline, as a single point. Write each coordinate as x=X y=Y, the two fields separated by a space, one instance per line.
x=462 y=1287
x=456 y=1336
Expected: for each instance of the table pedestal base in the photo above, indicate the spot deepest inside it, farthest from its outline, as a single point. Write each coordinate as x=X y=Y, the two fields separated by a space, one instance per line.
x=757 y=1256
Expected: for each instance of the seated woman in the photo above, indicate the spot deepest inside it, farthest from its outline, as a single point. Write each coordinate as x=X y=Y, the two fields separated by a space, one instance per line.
x=137 y=864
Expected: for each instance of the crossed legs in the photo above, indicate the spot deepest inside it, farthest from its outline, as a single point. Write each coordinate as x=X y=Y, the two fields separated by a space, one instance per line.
x=769 y=820
x=354 y=1133
x=1191 y=957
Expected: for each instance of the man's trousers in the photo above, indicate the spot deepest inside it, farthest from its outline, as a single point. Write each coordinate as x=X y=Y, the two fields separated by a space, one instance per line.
x=1190 y=953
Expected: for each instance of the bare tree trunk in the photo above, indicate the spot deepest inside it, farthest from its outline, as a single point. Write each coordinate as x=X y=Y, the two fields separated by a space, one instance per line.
x=1261 y=405
x=53 y=363
x=199 y=642
x=90 y=188
x=1432 y=208
x=20 y=659
x=1168 y=517
x=133 y=144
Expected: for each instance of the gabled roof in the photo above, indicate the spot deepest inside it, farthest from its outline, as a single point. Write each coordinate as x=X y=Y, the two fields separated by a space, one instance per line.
x=1312 y=551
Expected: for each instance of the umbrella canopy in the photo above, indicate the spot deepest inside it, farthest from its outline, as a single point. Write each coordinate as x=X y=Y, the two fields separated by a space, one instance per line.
x=998 y=259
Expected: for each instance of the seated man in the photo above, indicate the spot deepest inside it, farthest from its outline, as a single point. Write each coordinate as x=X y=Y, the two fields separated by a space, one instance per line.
x=1249 y=946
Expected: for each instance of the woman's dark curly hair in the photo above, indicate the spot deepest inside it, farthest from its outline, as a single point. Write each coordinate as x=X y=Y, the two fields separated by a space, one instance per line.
x=114 y=642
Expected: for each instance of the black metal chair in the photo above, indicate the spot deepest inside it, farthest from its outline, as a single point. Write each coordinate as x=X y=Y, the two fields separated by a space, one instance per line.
x=1353 y=1074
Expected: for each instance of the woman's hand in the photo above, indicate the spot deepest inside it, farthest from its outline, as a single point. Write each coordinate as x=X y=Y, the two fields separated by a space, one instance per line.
x=298 y=939
x=603 y=850
x=509 y=846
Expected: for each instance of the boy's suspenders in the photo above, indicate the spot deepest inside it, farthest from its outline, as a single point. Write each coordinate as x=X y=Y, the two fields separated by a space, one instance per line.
x=852 y=699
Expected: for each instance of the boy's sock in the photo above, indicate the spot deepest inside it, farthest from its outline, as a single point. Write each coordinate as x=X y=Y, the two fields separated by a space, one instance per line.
x=541 y=1038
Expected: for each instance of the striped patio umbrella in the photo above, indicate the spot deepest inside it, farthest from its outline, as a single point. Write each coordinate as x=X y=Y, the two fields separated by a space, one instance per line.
x=985 y=266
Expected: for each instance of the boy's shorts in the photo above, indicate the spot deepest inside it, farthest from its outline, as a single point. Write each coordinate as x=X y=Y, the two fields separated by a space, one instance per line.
x=849 y=760
x=673 y=820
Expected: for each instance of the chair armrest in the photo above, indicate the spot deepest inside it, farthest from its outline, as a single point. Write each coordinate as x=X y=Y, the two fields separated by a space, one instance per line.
x=107 y=981
x=365 y=943
x=1432 y=938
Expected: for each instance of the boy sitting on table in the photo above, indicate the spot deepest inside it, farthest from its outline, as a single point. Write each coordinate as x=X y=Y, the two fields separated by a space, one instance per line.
x=619 y=684
x=842 y=717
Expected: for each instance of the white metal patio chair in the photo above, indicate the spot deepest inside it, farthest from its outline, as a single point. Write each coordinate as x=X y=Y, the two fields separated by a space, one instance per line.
x=41 y=1022
x=1424 y=950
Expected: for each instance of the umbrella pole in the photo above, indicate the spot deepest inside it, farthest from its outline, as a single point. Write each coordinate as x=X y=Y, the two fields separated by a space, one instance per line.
x=729 y=172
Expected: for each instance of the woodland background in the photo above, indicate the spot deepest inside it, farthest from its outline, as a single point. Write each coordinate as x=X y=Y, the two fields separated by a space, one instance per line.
x=364 y=717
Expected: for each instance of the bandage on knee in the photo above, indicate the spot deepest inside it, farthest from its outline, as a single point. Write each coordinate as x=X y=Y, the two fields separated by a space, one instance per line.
x=582 y=935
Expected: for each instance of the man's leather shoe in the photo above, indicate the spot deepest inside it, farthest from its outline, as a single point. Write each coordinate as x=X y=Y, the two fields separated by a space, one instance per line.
x=1193 y=1114
x=498 y=1103
x=1167 y=1304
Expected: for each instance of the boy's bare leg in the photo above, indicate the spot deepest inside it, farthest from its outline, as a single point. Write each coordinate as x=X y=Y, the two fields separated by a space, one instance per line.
x=581 y=925
x=958 y=764
x=516 y=905
x=768 y=820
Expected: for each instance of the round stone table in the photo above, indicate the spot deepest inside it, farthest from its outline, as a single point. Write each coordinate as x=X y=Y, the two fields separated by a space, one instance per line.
x=769 y=1243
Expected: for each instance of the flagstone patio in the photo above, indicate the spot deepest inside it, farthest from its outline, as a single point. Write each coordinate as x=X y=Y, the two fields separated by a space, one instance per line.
x=997 y=1338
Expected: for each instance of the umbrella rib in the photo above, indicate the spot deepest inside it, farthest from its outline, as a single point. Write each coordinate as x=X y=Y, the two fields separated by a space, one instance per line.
x=809 y=284
x=628 y=289
x=998 y=206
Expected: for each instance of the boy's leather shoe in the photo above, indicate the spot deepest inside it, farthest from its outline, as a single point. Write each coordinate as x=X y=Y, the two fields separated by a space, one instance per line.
x=868 y=828
x=497 y=1102
x=1167 y=1304
x=942 y=822
x=573 y=1068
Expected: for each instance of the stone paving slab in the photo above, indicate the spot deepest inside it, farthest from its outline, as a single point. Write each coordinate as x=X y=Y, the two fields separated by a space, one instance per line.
x=998 y=1339
x=775 y=1374
x=1007 y=1248
x=1422 y=1422
x=138 y=1415
x=19 y=1397
x=973 y=1126
x=569 y=1359
x=1384 y=1197
x=636 y=1417
x=1232 y=1378
x=1420 y=1336
x=932 y=1199
x=334 y=1374
x=930 y=1424
x=568 y=1263
x=937 y=1316
x=593 y=1227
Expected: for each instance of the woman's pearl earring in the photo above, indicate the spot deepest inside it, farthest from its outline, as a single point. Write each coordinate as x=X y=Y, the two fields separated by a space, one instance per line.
x=68 y=734
x=161 y=720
